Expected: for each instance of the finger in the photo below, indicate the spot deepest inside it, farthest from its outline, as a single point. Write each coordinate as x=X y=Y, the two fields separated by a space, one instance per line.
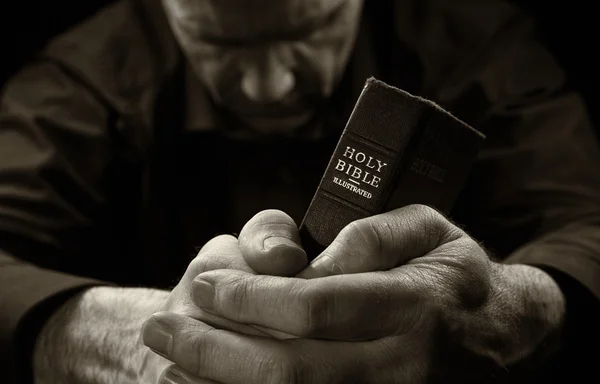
x=346 y=307
x=177 y=375
x=383 y=241
x=271 y=244
x=221 y=252
x=196 y=347
x=227 y=357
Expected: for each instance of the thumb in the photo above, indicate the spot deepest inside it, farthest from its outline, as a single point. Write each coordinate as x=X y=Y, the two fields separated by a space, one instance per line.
x=384 y=241
x=270 y=244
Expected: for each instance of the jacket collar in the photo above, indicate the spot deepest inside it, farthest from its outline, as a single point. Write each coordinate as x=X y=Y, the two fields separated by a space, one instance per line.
x=165 y=44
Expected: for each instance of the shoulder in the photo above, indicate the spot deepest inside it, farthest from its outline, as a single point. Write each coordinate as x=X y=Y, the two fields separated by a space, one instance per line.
x=490 y=47
x=117 y=51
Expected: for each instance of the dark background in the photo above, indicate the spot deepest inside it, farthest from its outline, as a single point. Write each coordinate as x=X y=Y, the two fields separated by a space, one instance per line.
x=569 y=29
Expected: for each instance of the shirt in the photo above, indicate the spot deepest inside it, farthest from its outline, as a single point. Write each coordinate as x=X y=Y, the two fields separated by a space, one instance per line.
x=102 y=181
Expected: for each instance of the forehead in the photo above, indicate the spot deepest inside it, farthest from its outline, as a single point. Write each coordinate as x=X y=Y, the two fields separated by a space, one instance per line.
x=247 y=19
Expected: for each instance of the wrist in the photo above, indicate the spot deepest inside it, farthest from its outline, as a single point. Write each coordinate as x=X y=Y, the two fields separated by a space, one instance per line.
x=94 y=337
x=537 y=306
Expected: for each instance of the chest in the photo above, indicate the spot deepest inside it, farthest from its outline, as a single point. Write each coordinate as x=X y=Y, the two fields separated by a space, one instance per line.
x=218 y=184
x=202 y=184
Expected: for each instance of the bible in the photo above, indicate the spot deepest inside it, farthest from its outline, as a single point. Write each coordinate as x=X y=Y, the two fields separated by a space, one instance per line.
x=396 y=149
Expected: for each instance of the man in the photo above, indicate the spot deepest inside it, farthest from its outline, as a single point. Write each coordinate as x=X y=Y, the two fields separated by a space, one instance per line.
x=127 y=145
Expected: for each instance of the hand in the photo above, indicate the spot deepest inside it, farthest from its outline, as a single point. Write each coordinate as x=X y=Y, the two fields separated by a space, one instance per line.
x=437 y=310
x=272 y=248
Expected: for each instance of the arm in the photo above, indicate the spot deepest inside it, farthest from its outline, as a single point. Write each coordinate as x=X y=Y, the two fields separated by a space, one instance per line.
x=101 y=329
x=534 y=196
x=28 y=295
x=413 y=298
x=53 y=168
x=53 y=154
x=95 y=336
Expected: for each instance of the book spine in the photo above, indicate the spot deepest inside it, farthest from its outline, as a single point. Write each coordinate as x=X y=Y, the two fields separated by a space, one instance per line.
x=437 y=165
x=395 y=150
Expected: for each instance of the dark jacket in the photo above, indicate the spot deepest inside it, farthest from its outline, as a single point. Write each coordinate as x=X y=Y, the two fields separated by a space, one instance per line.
x=101 y=182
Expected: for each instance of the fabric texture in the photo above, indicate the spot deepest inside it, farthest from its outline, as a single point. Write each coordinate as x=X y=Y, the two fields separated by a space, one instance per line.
x=103 y=182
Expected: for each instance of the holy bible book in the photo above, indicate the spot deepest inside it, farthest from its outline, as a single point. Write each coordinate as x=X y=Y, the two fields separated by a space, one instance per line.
x=396 y=149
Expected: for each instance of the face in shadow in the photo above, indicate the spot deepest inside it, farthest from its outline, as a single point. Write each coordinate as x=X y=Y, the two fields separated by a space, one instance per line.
x=271 y=63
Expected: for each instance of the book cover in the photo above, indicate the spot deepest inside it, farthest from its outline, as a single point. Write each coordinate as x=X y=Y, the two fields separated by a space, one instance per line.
x=396 y=149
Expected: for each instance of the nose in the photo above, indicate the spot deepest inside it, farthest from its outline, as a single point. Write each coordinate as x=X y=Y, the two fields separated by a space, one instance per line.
x=267 y=80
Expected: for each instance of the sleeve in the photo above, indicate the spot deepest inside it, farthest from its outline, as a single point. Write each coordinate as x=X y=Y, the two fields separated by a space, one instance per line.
x=54 y=150
x=534 y=195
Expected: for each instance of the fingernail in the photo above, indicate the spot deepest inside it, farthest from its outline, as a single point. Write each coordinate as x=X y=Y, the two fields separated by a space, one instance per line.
x=327 y=264
x=203 y=293
x=171 y=377
x=157 y=337
x=336 y=269
x=278 y=241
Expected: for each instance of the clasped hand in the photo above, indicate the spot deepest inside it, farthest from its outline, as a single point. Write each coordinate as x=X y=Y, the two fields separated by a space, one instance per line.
x=401 y=297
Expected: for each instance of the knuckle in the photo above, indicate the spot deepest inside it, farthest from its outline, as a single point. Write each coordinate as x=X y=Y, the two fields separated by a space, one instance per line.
x=267 y=217
x=285 y=367
x=239 y=295
x=216 y=243
x=273 y=213
x=314 y=308
x=291 y=370
x=434 y=225
x=194 y=348
x=205 y=352
x=236 y=297
x=383 y=243
x=424 y=210
x=466 y=273
x=477 y=269
x=426 y=215
x=378 y=241
x=360 y=228
x=363 y=232
x=201 y=263
x=210 y=257
x=265 y=224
